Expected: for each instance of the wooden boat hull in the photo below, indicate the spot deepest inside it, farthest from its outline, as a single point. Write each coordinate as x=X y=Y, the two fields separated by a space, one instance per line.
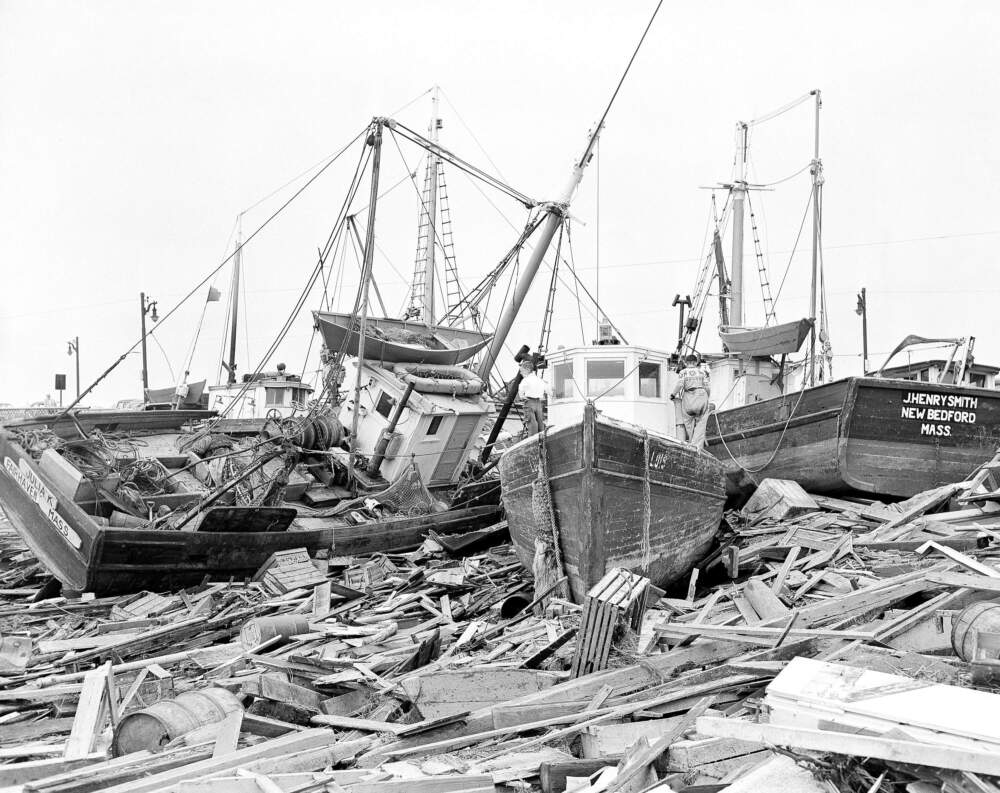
x=87 y=557
x=878 y=436
x=124 y=421
x=339 y=334
x=597 y=474
x=781 y=339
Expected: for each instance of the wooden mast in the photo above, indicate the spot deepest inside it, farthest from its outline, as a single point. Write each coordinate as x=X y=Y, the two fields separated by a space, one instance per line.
x=433 y=169
x=739 y=196
x=817 y=183
x=237 y=261
x=555 y=211
x=375 y=141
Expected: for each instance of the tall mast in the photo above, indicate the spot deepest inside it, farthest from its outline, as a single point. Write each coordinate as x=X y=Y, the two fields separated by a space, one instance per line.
x=433 y=169
x=739 y=196
x=375 y=141
x=231 y=366
x=817 y=184
x=555 y=211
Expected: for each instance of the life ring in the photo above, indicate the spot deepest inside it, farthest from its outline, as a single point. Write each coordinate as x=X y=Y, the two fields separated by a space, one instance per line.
x=439 y=379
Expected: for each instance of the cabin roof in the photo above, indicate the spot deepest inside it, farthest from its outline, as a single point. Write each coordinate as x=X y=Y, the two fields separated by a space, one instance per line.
x=923 y=366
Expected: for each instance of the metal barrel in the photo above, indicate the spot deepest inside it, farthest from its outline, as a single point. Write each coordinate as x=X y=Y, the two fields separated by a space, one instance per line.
x=154 y=727
x=982 y=616
x=259 y=629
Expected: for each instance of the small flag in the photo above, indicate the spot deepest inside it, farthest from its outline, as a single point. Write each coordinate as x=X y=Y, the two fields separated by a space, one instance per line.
x=213 y=295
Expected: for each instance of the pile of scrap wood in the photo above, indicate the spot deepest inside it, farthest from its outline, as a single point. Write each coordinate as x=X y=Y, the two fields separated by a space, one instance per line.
x=827 y=644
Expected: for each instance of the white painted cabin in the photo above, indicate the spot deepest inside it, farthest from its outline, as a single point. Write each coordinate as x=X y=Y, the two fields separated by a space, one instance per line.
x=624 y=381
x=439 y=432
x=270 y=395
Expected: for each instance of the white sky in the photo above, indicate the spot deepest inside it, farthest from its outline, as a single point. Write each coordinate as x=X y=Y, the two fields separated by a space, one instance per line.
x=133 y=133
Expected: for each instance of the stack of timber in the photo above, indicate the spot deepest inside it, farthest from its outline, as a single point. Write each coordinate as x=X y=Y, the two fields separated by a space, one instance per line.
x=825 y=644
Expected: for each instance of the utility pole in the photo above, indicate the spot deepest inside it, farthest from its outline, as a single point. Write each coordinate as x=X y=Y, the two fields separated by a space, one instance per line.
x=74 y=347
x=145 y=307
x=862 y=311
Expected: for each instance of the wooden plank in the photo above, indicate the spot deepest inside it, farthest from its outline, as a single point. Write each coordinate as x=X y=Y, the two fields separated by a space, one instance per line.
x=92 y=711
x=553 y=775
x=228 y=735
x=966 y=561
x=916 y=753
x=980 y=583
x=365 y=725
x=764 y=601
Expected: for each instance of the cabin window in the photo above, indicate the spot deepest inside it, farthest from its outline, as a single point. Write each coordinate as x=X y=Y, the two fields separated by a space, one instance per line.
x=562 y=380
x=977 y=380
x=605 y=378
x=649 y=380
x=432 y=428
x=274 y=396
x=300 y=395
x=385 y=404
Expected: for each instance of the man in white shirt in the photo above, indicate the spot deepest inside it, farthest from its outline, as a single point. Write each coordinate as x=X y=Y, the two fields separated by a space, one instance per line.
x=532 y=390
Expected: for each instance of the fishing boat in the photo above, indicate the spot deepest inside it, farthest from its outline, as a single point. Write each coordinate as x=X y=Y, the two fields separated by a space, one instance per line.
x=878 y=434
x=618 y=497
x=610 y=485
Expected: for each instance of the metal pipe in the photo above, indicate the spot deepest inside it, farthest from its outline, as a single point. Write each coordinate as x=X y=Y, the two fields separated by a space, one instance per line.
x=501 y=416
x=383 y=442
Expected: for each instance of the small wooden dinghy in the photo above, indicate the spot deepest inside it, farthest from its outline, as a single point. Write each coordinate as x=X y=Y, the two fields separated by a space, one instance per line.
x=399 y=341
x=620 y=497
x=781 y=339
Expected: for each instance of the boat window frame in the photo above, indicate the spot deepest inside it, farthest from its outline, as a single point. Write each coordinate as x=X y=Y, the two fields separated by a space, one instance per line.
x=389 y=399
x=659 y=395
x=434 y=425
x=622 y=379
x=568 y=383
x=267 y=396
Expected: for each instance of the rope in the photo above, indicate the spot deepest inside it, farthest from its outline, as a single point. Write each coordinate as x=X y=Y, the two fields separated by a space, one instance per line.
x=647 y=549
x=752 y=471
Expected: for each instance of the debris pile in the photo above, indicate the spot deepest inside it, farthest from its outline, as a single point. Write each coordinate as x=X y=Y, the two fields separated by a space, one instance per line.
x=827 y=644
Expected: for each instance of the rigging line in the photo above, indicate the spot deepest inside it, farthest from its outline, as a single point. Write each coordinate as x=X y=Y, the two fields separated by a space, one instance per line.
x=337 y=228
x=781 y=110
x=798 y=236
x=572 y=266
x=419 y=140
x=785 y=179
x=165 y=358
x=600 y=124
x=468 y=129
x=205 y=280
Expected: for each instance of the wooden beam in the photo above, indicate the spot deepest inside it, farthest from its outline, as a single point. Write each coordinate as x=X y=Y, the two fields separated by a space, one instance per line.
x=925 y=754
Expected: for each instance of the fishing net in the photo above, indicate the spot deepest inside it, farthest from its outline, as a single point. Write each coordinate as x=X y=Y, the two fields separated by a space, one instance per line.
x=406 y=496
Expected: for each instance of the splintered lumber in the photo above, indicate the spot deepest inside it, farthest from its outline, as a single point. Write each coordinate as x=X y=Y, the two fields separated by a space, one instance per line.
x=92 y=712
x=779 y=499
x=553 y=775
x=956 y=556
x=609 y=741
x=900 y=751
x=764 y=601
x=287 y=570
x=216 y=766
x=618 y=597
x=447 y=693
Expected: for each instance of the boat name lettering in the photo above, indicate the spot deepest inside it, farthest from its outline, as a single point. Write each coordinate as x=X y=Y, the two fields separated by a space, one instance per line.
x=940 y=400
x=29 y=482
x=659 y=460
x=937 y=412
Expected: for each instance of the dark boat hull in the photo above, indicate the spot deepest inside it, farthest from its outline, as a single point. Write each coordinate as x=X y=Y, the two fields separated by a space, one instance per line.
x=878 y=436
x=597 y=470
x=87 y=557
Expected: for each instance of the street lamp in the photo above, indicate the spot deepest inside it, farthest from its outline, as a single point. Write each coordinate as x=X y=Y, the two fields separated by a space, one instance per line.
x=73 y=346
x=146 y=306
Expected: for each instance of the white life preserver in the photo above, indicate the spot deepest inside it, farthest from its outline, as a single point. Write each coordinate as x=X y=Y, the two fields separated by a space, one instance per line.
x=439 y=379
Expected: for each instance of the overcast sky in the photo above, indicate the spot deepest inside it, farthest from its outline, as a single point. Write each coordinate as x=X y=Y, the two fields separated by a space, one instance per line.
x=133 y=133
